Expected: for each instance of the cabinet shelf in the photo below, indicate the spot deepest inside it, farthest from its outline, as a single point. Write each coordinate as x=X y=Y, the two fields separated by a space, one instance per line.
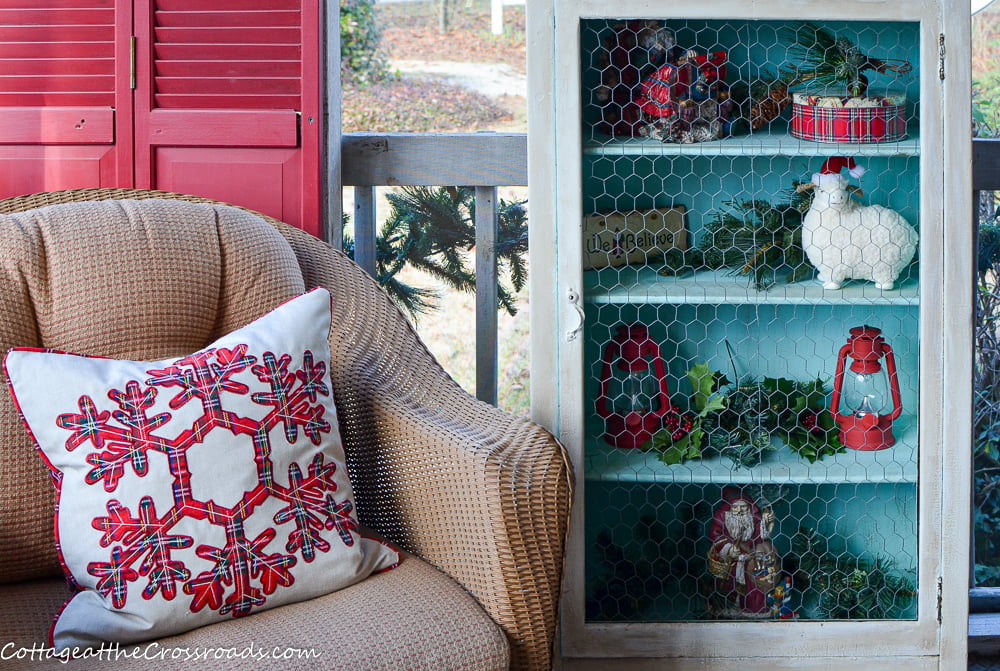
x=776 y=141
x=643 y=285
x=897 y=464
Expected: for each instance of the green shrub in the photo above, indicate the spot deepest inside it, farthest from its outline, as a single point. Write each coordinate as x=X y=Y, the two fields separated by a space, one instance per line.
x=361 y=59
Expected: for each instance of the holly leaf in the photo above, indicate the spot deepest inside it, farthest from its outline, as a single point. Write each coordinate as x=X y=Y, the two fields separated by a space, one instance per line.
x=715 y=403
x=675 y=453
x=702 y=379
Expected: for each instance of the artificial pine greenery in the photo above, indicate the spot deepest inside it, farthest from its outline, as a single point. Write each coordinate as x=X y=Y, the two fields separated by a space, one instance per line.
x=849 y=587
x=433 y=230
x=753 y=238
x=830 y=61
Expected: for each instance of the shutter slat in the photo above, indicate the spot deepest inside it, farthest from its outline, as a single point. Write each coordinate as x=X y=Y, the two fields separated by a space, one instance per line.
x=58 y=83
x=248 y=19
x=227 y=5
x=228 y=35
x=226 y=85
x=215 y=101
x=36 y=67
x=60 y=99
x=64 y=51
x=234 y=52
x=57 y=34
x=227 y=68
x=58 y=4
x=50 y=16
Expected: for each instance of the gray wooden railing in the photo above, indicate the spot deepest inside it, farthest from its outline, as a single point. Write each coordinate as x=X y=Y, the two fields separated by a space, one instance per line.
x=481 y=160
x=484 y=161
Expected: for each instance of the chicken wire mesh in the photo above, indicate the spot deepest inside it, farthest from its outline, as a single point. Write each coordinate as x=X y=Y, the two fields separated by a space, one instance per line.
x=751 y=196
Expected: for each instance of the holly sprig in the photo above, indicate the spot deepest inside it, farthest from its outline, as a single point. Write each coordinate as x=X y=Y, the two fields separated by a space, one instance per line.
x=743 y=421
x=683 y=436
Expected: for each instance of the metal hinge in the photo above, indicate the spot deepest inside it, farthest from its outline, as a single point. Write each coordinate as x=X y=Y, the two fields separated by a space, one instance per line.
x=131 y=62
x=941 y=56
x=939 y=599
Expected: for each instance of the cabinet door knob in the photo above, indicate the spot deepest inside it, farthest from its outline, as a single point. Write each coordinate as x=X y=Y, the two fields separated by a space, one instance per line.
x=574 y=300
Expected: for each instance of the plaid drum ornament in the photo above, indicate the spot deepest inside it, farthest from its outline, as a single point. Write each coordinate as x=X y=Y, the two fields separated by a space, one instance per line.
x=833 y=118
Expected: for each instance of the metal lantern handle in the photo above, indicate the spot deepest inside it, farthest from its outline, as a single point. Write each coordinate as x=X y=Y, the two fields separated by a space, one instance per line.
x=838 y=382
x=890 y=366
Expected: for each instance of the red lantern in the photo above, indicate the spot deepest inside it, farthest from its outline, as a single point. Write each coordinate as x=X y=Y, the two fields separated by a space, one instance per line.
x=866 y=389
x=634 y=396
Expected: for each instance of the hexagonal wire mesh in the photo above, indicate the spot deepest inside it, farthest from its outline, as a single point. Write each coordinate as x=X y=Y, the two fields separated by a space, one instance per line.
x=720 y=295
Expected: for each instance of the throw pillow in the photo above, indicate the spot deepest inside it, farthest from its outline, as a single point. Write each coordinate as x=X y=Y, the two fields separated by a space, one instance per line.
x=197 y=488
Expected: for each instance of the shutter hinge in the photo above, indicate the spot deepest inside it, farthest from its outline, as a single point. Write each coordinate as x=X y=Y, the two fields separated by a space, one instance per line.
x=131 y=62
x=939 y=599
x=941 y=56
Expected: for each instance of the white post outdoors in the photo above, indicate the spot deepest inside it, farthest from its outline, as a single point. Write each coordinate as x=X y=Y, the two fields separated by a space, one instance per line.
x=496 y=13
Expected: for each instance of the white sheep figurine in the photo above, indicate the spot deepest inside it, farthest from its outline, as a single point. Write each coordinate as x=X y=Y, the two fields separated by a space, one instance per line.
x=847 y=240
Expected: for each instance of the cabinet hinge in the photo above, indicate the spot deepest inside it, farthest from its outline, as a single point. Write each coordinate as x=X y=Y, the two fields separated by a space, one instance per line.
x=941 y=56
x=939 y=599
x=131 y=62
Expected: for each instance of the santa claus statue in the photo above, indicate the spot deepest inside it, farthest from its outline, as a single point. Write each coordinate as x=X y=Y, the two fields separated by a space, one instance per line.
x=742 y=557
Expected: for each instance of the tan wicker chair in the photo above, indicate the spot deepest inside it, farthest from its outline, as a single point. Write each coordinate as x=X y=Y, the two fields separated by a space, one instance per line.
x=479 y=494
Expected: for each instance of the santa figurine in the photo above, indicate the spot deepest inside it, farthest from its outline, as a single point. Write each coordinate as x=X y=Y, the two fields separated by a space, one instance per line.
x=744 y=561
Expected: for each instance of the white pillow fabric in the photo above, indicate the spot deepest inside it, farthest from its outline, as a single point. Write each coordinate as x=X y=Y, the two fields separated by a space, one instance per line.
x=196 y=489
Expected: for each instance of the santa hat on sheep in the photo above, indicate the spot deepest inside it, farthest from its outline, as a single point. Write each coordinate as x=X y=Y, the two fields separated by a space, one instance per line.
x=833 y=166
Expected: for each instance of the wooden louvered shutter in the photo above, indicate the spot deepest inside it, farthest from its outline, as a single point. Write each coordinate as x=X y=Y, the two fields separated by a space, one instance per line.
x=227 y=103
x=63 y=74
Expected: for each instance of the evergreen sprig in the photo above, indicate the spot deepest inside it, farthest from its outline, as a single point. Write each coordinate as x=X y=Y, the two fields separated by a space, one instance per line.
x=753 y=238
x=831 y=61
x=433 y=230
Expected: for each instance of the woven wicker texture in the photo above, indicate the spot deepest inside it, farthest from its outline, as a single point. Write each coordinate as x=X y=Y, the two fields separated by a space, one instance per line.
x=413 y=617
x=480 y=494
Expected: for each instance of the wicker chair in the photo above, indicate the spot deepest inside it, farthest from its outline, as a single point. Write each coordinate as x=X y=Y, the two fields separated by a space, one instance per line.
x=457 y=484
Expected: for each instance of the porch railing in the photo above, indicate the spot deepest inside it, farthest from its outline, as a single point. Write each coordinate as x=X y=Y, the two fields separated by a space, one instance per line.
x=484 y=161
x=481 y=160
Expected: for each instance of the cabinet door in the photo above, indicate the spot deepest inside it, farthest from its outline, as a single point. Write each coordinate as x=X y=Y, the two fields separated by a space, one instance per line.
x=749 y=335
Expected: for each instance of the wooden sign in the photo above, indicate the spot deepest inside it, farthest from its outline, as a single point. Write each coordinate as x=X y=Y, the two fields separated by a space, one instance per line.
x=640 y=236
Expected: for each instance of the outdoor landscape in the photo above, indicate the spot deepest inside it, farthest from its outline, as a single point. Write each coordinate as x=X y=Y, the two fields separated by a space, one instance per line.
x=403 y=98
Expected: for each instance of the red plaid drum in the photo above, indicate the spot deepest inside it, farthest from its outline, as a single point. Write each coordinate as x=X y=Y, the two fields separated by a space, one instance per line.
x=823 y=123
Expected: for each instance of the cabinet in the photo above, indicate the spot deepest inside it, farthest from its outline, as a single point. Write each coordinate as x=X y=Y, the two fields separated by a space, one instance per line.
x=867 y=547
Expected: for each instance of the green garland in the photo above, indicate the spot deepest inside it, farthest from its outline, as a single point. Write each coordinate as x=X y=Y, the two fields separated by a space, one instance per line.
x=849 y=586
x=741 y=421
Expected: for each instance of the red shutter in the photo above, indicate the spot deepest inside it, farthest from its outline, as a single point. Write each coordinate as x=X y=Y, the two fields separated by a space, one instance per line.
x=229 y=105
x=59 y=87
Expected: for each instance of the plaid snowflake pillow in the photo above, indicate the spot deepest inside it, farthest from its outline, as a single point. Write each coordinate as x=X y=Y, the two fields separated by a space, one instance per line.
x=200 y=488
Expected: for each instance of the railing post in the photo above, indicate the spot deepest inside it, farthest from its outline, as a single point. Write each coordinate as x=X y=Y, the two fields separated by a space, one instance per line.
x=486 y=294
x=364 y=228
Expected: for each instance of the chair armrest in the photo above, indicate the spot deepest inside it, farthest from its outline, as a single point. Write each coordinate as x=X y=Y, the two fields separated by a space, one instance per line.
x=480 y=494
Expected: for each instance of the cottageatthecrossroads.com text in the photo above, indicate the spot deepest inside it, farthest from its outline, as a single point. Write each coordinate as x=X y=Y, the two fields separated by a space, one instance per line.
x=111 y=652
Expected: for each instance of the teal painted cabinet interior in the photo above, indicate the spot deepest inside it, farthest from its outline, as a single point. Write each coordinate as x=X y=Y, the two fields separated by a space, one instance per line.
x=844 y=539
